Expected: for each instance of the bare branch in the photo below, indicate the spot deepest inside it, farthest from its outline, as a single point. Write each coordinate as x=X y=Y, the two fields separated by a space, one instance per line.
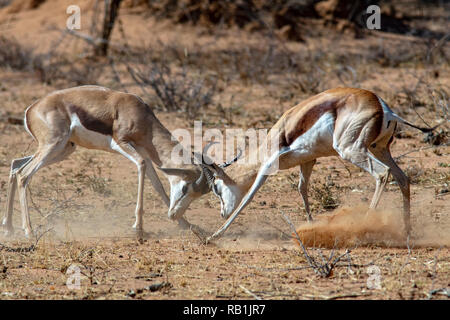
x=325 y=269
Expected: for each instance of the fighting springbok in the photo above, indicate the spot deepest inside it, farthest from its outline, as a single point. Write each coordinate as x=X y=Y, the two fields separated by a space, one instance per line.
x=354 y=124
x=99 y=118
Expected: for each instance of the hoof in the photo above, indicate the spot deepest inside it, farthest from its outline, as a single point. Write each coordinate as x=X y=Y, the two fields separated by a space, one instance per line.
x=138 y=230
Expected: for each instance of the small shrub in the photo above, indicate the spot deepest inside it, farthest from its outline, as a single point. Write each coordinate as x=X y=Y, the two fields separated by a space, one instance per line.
x=13 y=55
x=174 y=90
x=324 y=195
x=98 y=185
x=4 y=3
x=49 y=68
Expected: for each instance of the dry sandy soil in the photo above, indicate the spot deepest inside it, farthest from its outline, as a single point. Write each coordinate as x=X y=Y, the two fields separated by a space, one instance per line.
x=87 y=202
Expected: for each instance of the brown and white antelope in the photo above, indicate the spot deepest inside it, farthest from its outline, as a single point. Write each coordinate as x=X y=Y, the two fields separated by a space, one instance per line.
x=353 y=124
x=99 y=118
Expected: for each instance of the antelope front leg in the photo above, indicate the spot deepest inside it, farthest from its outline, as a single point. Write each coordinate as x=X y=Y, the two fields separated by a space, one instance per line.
x=138 y=224
x=305 y=174
x=16 y=165
x=127 y=150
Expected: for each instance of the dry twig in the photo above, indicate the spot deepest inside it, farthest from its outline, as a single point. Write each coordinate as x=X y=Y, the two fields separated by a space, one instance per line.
x=324 y=269
x=31 y=248
x=249 y=292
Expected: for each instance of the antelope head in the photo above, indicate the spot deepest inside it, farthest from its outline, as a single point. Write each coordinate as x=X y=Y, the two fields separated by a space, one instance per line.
x=192 y=181
x=223 y=186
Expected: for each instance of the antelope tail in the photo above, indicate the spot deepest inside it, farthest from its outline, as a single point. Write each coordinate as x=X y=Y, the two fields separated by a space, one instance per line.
x=424 y=130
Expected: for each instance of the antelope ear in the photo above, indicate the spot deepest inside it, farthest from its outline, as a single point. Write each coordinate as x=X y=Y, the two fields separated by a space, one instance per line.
x=183 y=173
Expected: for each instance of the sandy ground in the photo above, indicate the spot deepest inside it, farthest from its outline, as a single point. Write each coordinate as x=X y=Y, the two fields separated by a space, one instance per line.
x=85 y=205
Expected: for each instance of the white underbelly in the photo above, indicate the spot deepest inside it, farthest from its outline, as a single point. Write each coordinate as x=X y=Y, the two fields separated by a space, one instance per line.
x=318 y=140
x=315 y=143
x=88 y=138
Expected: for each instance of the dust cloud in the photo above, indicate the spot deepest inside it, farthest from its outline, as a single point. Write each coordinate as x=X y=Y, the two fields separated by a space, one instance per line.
x=360 y=226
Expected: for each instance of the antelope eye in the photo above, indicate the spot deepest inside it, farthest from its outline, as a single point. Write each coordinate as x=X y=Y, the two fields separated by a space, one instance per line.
x=184 y=189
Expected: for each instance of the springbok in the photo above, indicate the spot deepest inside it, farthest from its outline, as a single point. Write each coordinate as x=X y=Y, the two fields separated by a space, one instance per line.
x=354 y=124
x=99 y=118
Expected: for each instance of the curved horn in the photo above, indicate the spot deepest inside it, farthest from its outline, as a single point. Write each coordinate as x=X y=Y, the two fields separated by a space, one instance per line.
x=200 y=157
x=226 y=164
x=204 y=151
x=205 y=172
